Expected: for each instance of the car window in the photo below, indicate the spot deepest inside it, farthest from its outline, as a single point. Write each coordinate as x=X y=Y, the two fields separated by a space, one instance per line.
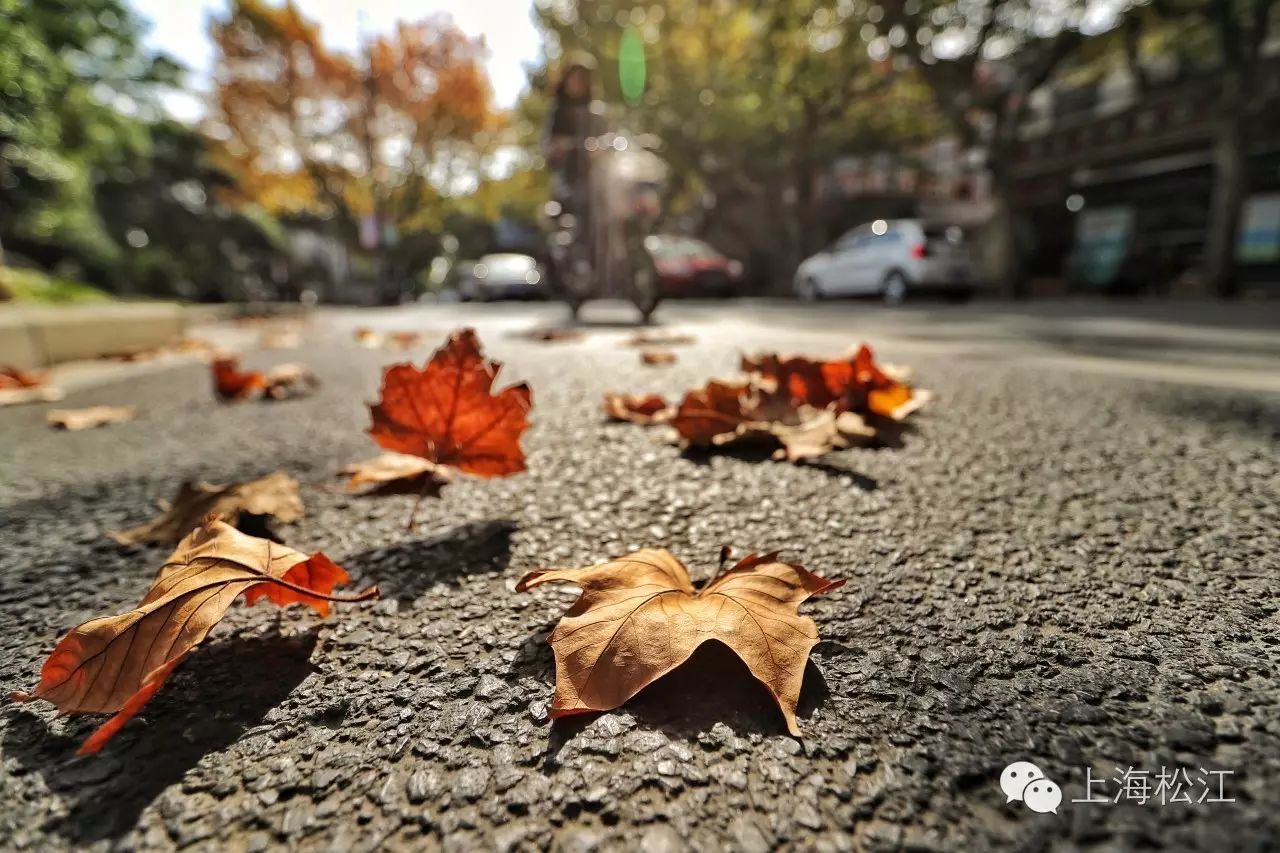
x=851 y=240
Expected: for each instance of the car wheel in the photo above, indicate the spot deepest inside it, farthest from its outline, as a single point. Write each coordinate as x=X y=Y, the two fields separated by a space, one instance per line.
x=894 y=289
x=809 y=290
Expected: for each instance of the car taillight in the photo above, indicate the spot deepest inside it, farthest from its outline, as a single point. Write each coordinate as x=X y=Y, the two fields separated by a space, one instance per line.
x=920 y=250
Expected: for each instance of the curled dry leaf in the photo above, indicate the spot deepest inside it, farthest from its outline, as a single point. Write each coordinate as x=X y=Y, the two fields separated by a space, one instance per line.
x=552 y=335
x=401 y=340
x=657 y=357
x=93 y=416
x=279 y=383
x=290 y=380
x=397 y=473
x=448 y=414
x=20 y=386
x=639 y=617
x=115 y=664
x=280 y=339
x=723 y=414
x=659 y=339
x=852 y=384
x=275 y=496
x=637 y=408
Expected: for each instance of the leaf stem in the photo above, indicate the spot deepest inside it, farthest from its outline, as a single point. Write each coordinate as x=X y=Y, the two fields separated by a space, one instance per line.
x=422 y=493
x=362 y=595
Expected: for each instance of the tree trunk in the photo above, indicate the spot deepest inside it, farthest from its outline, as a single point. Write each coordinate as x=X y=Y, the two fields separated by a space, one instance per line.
x=1004 y=244
x=1230 y=184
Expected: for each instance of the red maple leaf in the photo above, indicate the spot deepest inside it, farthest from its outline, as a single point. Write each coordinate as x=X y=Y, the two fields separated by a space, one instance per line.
x=447 y=412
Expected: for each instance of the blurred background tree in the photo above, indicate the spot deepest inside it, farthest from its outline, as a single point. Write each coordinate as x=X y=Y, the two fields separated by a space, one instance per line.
x=374 y=148
x=95 y=183
x=750 y=101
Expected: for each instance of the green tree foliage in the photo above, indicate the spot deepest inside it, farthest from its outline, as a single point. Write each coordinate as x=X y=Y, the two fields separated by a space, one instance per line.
x=751 y=102
x=94 y=182
x=63 y=67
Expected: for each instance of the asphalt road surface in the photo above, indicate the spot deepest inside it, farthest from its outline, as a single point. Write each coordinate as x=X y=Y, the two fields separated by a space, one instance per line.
x=1071 y=562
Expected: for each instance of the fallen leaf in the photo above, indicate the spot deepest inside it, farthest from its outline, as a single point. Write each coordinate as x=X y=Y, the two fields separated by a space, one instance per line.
x=552 y=336
x=196 y=346
x=231 y=383
x=93 y=416
x=448 y=414
x=659 y=339
x=12 y=377
x=367 y=337
x=18 y=387
x=115 y=664
x=723 y=414
x=401 y=340
x=639 y=617
x=289 y=380
x=398 y=473
x=275 y=495
x=279 y=383
x=855 y=383
x=657 y=357
x=637 y=408
x=280 y=339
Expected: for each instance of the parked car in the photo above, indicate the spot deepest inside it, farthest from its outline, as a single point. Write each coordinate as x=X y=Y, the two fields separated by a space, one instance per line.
x=689 y=267
x=501 y=276
x=890 y=258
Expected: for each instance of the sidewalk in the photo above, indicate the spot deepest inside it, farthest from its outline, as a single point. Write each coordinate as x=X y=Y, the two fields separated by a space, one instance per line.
x=42 y=336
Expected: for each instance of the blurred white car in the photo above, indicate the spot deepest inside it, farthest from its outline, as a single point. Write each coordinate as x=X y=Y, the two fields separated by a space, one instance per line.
x=890 y=257
x=501 y=276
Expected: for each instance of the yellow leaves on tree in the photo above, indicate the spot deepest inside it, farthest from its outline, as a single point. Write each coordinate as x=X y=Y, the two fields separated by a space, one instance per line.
x=304 y=129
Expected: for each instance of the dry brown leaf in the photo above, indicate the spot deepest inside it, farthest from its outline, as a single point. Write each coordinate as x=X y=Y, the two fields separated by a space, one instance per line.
x=659 y=339
x=115 y=664
x=401 y=340
x=12 y=377
x=637 y=408
x=367 y=337
x=639 y=617
x=280 y=339
x=275 y=496
x=93 y=416
x=723 y=414
x=289 y=380
x=553 y=336
x=22 y=396
x=398 y=473
x=279 y=383
x=657 y=357
x=18 y=387
x=852 y=384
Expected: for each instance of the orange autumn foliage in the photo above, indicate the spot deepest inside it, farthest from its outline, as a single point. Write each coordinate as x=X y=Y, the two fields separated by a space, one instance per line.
x=448 y=413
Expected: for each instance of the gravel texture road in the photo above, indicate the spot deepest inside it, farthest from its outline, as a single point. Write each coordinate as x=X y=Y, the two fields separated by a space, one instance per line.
x=1064 y=568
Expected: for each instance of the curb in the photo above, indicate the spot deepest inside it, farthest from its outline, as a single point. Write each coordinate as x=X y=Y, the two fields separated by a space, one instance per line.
x=33 y=337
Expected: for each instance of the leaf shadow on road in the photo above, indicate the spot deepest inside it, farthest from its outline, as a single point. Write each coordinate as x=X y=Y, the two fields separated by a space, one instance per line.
x=406 y=569
x=702 y=456
x=222 y=691
x=713 y=686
